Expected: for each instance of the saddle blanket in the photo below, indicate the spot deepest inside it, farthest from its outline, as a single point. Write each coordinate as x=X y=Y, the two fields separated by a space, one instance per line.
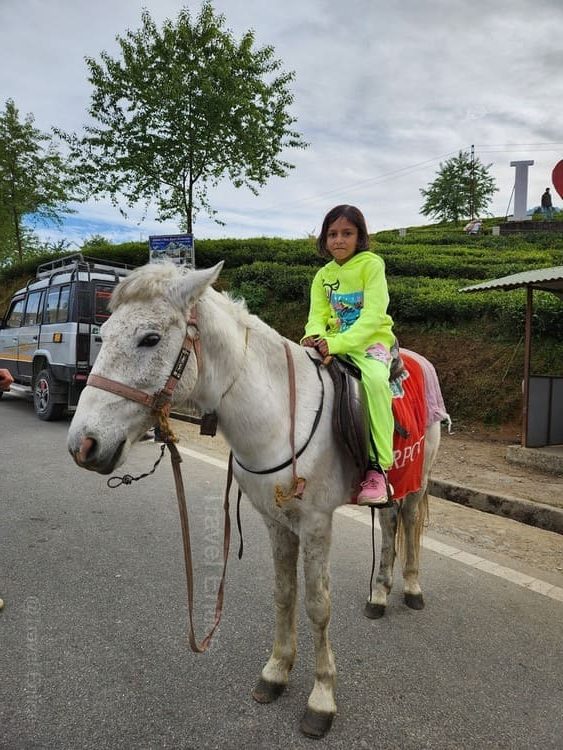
x=410 y=413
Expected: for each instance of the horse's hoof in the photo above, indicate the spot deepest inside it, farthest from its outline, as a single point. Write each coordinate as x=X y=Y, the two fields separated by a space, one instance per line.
x=374 y=611
x=414 y=601
x=267 y=692
x=315 y=724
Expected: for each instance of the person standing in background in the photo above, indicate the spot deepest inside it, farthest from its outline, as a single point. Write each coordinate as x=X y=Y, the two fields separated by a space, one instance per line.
x=547 y=205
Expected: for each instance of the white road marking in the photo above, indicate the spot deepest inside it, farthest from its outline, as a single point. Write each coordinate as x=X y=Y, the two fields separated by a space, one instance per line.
x=203 y=457
x=474 y=561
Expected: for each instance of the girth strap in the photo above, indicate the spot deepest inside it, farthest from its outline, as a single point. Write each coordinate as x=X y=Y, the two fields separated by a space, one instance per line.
x=316 y=421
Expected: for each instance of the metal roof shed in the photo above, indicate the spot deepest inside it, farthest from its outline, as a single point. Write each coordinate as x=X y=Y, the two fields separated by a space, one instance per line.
x=542 y=409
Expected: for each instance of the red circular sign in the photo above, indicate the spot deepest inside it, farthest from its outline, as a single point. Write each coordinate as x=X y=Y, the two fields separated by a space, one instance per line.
x=557 y=178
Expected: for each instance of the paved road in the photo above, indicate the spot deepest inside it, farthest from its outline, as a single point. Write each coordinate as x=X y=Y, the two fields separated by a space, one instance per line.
x=93 y=651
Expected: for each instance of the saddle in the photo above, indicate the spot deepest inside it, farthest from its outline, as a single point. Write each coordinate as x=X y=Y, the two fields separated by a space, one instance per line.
x=350 y=412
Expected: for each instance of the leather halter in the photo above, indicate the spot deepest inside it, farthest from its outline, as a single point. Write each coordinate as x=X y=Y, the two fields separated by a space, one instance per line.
x=158 y=402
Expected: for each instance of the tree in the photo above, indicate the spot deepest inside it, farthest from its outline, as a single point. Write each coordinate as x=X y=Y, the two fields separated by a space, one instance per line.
x=181 y=108
x=463 y=189
x=35 y=182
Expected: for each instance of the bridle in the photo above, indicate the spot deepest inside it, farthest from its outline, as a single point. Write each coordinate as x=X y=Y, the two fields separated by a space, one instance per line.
x=159 y=404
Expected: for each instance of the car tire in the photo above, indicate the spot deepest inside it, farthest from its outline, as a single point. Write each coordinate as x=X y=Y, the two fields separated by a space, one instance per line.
x=49 y=399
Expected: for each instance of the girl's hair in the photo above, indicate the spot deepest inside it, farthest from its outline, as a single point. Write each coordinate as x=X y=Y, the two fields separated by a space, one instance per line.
x=355 y=217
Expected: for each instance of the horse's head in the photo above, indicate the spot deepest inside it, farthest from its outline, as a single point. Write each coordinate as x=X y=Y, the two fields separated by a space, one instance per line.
x=140 y=344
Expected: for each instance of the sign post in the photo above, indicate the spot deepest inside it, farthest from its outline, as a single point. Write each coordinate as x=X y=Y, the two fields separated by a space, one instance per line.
x=521 y=189
x=179 y=248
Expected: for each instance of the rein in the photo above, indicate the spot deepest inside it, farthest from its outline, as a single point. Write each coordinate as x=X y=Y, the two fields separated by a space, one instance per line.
x=159 y=404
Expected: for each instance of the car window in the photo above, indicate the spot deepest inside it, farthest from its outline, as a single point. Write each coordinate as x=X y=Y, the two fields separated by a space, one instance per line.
x=57 y=305
x=33 y=309
x=102 y=296
x=62 y=314
x=14 y=318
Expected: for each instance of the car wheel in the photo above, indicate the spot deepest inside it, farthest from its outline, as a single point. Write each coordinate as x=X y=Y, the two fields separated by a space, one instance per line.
x=47 y=397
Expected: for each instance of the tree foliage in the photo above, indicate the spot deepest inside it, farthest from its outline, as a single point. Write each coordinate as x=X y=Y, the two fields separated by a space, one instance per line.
x=36 y=182
x=463 y=189
x=181 y=108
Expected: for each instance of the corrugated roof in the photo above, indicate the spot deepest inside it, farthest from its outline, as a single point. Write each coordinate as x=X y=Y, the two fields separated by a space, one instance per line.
x=546 y=279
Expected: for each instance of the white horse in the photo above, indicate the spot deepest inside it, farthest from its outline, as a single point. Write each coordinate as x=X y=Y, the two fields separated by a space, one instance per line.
x=243 y=377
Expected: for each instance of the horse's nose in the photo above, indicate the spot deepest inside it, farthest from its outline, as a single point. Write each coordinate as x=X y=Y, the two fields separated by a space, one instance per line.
x=86 y=451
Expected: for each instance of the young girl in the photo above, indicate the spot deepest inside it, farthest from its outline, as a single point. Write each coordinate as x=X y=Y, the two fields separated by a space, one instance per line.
x=348 y=316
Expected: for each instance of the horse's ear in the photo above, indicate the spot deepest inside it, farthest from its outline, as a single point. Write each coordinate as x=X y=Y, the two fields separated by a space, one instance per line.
x=193 y=284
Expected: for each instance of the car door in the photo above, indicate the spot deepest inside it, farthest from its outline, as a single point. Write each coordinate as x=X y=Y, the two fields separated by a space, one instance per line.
x=102 y=295
x=9 y=336
x=29 y=334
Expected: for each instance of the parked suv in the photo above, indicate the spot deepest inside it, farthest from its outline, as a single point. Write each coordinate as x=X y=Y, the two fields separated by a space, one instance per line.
x=49 y=336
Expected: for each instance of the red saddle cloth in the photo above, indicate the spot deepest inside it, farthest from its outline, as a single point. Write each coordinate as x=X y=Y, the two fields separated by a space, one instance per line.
x=409 y=410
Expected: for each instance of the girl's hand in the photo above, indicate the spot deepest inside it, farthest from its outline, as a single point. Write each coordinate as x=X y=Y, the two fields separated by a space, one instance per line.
x=322 y=347
x=309 y=341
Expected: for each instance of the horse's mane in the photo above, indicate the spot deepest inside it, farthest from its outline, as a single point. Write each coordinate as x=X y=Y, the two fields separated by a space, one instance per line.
x=161 y=280
x=153 y=281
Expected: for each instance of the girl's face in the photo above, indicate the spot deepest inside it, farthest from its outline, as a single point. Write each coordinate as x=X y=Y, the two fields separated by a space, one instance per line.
x=342 y=240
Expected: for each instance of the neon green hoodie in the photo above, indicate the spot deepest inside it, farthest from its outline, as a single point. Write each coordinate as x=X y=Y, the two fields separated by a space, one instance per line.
x=349 y=305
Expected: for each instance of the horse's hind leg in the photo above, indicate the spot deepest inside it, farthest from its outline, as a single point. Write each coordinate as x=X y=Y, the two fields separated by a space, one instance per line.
x=275 y=675
x=321 y=706
x=375 y=607
x=414 y=512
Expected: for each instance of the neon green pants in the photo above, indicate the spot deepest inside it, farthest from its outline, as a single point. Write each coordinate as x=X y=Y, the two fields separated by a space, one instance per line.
x=375 y=380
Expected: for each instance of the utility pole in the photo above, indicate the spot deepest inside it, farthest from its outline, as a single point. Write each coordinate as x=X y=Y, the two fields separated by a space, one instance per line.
x=472 y=183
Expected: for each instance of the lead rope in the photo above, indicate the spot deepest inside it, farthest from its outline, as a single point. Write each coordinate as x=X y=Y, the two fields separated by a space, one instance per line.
x=159 y=403
x=184 y=522
x=176 y=460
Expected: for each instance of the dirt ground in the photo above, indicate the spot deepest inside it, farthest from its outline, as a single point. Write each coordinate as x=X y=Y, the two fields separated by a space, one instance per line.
x=478 y=461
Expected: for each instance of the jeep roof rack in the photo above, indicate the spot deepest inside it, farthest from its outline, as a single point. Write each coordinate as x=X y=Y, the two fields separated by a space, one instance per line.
x=80 y=262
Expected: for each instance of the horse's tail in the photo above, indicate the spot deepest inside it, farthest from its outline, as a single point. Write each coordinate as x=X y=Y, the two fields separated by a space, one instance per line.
x=420 y=521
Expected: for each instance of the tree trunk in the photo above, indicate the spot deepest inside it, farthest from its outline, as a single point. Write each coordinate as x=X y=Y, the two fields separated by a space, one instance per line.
x=189 y=206
x=17 y=233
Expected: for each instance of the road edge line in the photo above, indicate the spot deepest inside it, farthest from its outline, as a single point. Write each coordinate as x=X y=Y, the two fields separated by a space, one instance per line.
x=466 y=558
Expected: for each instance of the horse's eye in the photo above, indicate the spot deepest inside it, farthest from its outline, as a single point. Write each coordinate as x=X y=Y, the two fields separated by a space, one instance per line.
x=151 y=339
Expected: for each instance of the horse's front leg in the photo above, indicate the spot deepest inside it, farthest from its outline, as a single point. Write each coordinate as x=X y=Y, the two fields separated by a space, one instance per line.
x=321 y=706
x=275 y=675
x=375 y=607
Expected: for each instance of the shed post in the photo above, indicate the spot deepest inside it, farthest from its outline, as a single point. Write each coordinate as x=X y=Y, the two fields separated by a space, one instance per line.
x=527 y=359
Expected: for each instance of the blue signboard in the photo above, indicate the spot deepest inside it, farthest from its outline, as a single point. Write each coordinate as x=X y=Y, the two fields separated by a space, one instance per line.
x=179 y=248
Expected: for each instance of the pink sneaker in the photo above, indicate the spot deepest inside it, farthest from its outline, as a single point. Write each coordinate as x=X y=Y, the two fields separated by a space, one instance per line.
x=374 y=489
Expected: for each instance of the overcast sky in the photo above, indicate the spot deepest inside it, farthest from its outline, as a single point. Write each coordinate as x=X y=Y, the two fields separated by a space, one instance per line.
x=384 y=91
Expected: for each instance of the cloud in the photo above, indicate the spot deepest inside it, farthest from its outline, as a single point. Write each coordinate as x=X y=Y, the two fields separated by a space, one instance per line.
x=383 y=93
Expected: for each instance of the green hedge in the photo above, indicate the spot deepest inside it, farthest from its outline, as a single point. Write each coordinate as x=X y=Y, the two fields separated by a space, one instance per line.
x=425 y=271
x=459 y=261
x=235 y=253
x=424 y=300
x=440 y=301
x=284 y=283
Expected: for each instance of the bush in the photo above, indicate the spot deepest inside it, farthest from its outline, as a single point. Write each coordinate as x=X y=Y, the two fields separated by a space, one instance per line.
x=282 y=282
x=439 y=301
